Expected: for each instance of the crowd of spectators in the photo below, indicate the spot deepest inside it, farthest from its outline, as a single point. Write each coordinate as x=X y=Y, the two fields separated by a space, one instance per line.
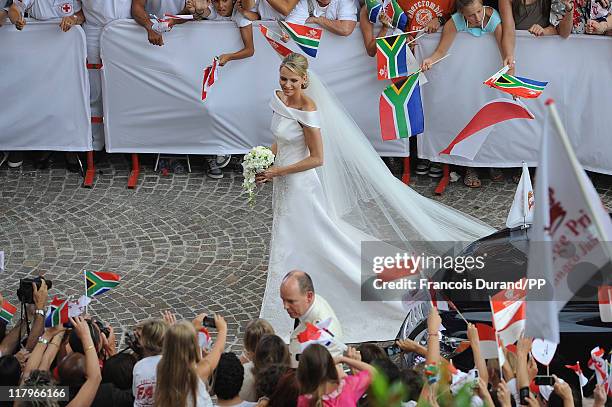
x=167 y=364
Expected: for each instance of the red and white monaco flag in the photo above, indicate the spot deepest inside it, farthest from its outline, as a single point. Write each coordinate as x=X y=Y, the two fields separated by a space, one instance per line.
x=581 y=377
x=604 y=295
x=210 y=76
x=571 y=233
x=508 y=310
x=488 y=341
x=470 y=139
x=522 y=209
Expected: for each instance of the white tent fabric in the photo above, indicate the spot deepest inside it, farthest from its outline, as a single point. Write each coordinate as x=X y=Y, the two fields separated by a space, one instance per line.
x=152 y=95
x=44 y=88
x=577 y=83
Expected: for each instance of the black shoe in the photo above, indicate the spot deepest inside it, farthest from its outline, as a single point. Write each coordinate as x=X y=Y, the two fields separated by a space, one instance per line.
x=72 y=162
x=43 y=161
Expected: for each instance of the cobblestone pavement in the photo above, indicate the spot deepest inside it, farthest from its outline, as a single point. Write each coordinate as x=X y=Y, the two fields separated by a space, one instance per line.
x=181 y=242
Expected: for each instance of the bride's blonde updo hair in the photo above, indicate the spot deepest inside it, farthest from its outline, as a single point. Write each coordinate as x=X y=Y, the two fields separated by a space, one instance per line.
x=298 y=64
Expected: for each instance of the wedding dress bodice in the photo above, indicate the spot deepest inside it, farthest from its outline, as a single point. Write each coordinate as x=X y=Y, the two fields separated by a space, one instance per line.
x=288 y=132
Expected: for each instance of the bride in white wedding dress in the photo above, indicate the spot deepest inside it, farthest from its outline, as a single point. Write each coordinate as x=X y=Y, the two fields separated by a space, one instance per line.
x=331 y=192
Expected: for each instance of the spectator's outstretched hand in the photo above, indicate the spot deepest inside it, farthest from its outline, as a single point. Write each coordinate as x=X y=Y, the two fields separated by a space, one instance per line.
x=198 y=321
x=80 y=327
x=433 y=321
x=407 y=345
x=472 y=334
x=110 y=345
x=220 y=324
x=563 y=390
x=503 y=394
x=169 y=318
x=523 y=345
x=155 y=38
x=599 y=394
x=532 y=401
x=432 y=26
x=224 y=59
x=426 y=64
x=353 y=353
x=40 y=294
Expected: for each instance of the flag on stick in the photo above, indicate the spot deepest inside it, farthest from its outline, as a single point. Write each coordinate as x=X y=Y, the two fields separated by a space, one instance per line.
x=99 y=282
x=570 y=218
x=391 y=56
x=516 y=85
x=522 y=209
x=7 y=312
x=581 y=377
x=508 y=312
x=318 y=333
x=396 y=14
x=374 y=8
x=57 y=314
x=307 y=38
x=470 y=139
x=276 y=43
x=210 y=76
x=401 y=109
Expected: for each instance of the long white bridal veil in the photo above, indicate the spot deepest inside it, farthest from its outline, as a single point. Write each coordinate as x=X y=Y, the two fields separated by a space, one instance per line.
x=362 y=192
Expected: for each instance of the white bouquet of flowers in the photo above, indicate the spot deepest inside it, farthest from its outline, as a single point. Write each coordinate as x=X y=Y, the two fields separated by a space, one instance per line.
x=257 y=160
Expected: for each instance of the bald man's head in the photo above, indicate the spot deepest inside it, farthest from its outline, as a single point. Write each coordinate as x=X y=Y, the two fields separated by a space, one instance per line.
x=297 y=293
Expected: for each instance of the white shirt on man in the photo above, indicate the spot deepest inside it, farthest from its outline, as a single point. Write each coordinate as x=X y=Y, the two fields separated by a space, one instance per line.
x=143 y=383
x=101 y=12
x=335 y=10
x=319 y=311
x=161 y=7
x=237 y=17
x=50 y=9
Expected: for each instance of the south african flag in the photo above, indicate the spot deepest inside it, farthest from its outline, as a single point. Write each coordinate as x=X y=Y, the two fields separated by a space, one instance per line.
x=517 y=86
x=374 y=8
x=7 y=312
x=57 y=314
x=99 y=282
x=391 y=56
x=396 y=14
x=307 y=38
x=401 y=110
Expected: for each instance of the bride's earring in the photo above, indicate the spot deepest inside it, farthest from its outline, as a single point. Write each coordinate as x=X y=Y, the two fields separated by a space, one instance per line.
x=305 y=85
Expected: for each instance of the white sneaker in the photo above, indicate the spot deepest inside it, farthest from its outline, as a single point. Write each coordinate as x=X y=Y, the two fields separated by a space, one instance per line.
x=222 y=160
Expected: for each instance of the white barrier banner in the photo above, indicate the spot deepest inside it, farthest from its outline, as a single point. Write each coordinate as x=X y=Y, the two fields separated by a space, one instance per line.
x=152 y=95
x=580 y=82
x=44 y=88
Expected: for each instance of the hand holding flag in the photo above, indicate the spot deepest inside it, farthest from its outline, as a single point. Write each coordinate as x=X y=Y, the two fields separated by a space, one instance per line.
x=210 y=77
x=319 y=333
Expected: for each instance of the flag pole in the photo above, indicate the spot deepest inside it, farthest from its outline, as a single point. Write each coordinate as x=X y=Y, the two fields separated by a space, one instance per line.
x=85 y=278
x=576 y=164
x=579 y=382
x=501 y=370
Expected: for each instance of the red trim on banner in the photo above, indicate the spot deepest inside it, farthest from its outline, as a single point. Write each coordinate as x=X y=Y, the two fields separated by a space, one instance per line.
x=97 y=119
x=94 y=66
x=91 y=171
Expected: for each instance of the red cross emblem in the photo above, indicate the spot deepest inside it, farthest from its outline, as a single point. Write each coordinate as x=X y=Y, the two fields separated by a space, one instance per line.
x=66 y=8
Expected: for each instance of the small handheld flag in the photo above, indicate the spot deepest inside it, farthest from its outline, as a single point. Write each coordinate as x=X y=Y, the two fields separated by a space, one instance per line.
x=276 y=44
x=210 y=77
x=99 y=282
x=516 y=85
x=318 y=334
x=374 y=8
x=396 y=14
x=470 y=139
x=307 y=38
x=401 y=109
x=391 y=56
x=7 y=312
x=57 y=314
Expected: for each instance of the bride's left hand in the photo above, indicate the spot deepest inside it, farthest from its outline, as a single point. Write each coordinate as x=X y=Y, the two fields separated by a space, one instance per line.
x=267 y=175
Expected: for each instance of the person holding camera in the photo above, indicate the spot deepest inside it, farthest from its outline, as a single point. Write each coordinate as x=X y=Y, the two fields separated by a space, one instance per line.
x=39 y=299
x=150 y=341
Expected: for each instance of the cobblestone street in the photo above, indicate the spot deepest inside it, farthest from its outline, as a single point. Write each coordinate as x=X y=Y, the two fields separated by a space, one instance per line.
x=182 y=242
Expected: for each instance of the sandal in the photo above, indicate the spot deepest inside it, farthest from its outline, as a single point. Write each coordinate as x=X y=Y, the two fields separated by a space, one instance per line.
x=471 y=178
x=496 y=175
